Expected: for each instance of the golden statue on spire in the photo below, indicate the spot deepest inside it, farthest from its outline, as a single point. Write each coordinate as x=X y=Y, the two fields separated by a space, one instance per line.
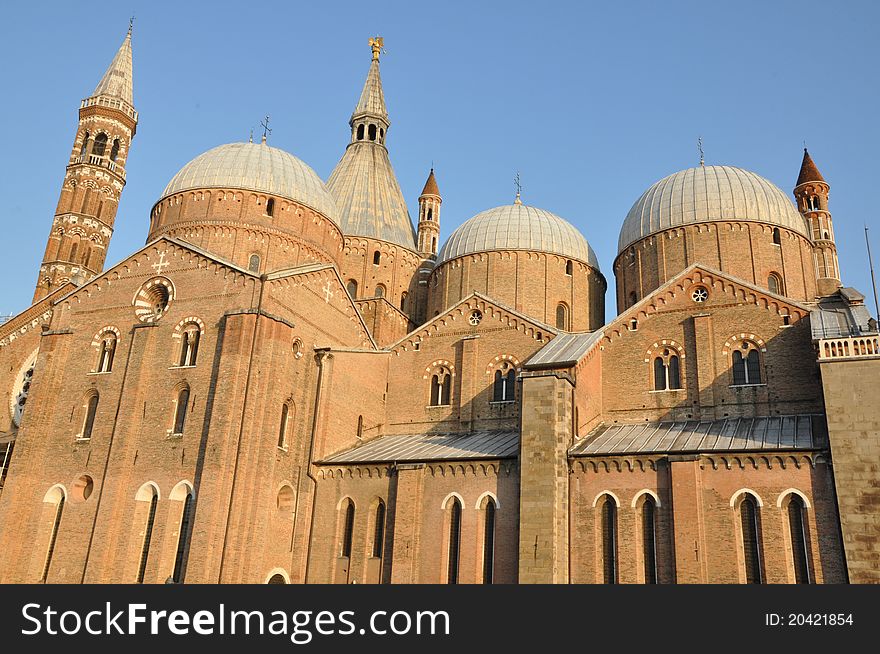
x=377 y=43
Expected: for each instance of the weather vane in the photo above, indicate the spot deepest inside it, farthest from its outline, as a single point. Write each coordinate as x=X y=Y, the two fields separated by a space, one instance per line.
x=700 y=148
x=518 y=184
x=130 y=23
x=266 y=130
x=377 y=43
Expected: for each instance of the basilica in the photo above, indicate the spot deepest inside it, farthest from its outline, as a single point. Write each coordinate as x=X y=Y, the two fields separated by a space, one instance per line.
x=296 y=381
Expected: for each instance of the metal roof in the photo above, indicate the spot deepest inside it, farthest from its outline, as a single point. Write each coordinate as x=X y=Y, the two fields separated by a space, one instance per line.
x=518 y=227
x=255 y=167
x=835 y=317
x=491 y=444
x=564 y=350
x=707 y=194
x=776 y=433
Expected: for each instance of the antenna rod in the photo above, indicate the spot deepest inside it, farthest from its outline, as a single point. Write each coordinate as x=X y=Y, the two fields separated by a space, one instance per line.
x=873 y=279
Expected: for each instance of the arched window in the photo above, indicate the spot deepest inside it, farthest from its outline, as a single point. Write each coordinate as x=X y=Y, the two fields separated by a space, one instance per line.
x=186 y=519
x=347 y=530
x=282 y=428
x=57 y=497
x=503 y=389
x=609 y=540
x=774 y=283
x=114 y=151
x=377 y=257
x=454 y=541
x=434 y=244
x=85 y=145
x=441 y=383
x=360 y=133
x=380 y=291
x=667 y=371
x=430 y=214
x=372 y=132
x=798 y=532
x=352 y=288
x=649 y=538
x=633 y=298
x=360 y=428
x=777 y=237
x=270 y=207
x=403 y=297
x=569 y=268
x=254 y=263
x=108 y=350
x=379 y=531
x=489 y=541
x=276 y=579
x=100 y=145
x=74 y=247
x=180 y=411
x=189 y=344
x=89 y=419
x=746 y=365
x=748 y=510
x=148 y=534
x=561 y=316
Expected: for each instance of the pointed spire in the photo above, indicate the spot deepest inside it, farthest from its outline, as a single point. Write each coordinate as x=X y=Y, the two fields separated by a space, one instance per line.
x=372 y=101
x=431 y=187
x=809 y=172
x=117 y=81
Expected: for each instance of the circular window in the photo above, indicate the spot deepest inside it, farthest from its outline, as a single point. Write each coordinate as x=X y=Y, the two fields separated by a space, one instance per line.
x=700 y=294
x=22 y=387
x=297 y=348
x=475 y=317
x=153 y=299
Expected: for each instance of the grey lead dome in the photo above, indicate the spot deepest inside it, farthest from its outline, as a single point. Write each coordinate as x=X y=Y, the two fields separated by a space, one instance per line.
x=518 y=227
x=708 y=194
x=255 y=167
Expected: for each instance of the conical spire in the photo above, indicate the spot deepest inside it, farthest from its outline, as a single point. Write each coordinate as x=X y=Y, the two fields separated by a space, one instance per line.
x=117 y=81
x=809 y=172
x=372 y=101
x=431 y=187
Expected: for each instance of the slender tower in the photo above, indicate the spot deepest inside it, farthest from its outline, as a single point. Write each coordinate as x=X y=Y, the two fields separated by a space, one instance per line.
x=429 y=217
x=811 y=193
x=94 y=180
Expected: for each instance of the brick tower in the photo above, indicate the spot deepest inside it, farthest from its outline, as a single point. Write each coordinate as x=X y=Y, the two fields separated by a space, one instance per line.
x=94 y=180
x=429 y=217
x=811 y=193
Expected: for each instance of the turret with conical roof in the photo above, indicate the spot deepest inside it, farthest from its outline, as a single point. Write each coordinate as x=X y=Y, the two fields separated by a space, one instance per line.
x=94 y=180
x=429 y=217
x=811 y=193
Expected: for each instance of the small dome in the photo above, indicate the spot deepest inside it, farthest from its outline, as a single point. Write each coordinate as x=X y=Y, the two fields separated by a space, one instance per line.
x=255 y=167
x=707 y=194
x=518 y=227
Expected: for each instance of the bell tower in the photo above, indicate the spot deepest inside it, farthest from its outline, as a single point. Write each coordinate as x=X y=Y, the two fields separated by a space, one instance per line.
x=429 y=218
x=94 y=180
x=811 y=194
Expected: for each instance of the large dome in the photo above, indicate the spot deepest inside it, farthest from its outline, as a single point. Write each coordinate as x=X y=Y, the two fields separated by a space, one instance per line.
x=255 y=167
x=518 y=227
x=707 y=194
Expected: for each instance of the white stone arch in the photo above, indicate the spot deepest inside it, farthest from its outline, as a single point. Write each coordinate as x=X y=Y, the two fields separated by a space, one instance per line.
x=181 y=490
x=55 y=494
x=484 y=496
x=277 y=571
x=746 y=491
x=147 y=492
x=343 y=499
x=793 y=491
x=445 y=503
x=646 y=491
x=609 y=494
x=503 y=358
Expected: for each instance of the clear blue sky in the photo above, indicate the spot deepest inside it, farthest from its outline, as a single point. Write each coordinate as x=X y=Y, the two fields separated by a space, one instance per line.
x=591 y=101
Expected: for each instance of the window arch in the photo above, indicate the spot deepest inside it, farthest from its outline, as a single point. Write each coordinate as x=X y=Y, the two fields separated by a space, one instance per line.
x=90 y=410
x=180 y=409
x=746 y=364
x=371 y=131
x=441 y=387
x=190 y=338
x=379 y=531
x=352 y=287
x=56 y=496
x=561 y=316
x=148 y=493
x=454 y=549
x=347 y=529
x=380 y=291
x=797 y=530
x=185 y=533
x=403 y=297
x=114 y=151
x=270 y=207
x=649 y=538
x=360 y=133
x=608 y=520
x=667 y=370
x=489 y=511
x=774 y=283
x=106 y=352
x=777 y=236
x=277 y=579
x=254 y=263
x=504 y=385
x=750 y=538
x=282 y=428
x=100 y=145
x=377 y=257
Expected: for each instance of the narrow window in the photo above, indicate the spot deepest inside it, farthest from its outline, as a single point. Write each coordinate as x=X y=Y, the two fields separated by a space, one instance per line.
x=282 y=429
x=352 y=288
x=270 y=207
x=108 y=350
x=114 y=151
x=183 y=539
x=73 y=250
x=777 y=237
x=380 y=291
x=774 y=283
x=189 y=346
x=85 y=145
x=360 y=133
x=498 y=387
x=753 y=368
x=454 y=541
x=100 y=145
x=254 y=263
x=609 y=541
x=446 y=384
x=180 y=412
x=440 y=388
x=89 y=423
x=489 y=542
x=798 y=540
x=56 y=523
x=430 y=214
x=360 y=428
x=379 y=531
x=659 y=374
x=148 y=534
x=633 y=298
x=435 y=390
x=377 y=257
x=403 y=301
x=372 y=132
x=649 y=540
x=749 y=516
x=739 y=368
x=434 y=244
x=568 y=268
x=348 y=530
x=561 y=316
x=674 y=373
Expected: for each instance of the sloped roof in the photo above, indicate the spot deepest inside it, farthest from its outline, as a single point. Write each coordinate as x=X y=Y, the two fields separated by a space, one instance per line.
x=489 y=444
